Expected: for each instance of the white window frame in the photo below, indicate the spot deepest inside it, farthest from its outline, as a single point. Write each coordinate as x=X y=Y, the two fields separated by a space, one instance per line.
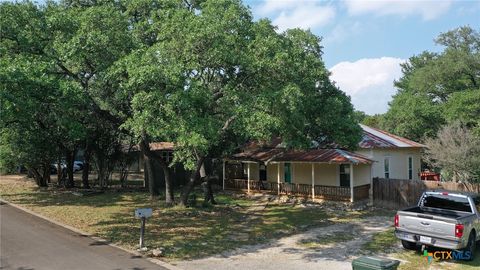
x=408 y=167
x=389 y=167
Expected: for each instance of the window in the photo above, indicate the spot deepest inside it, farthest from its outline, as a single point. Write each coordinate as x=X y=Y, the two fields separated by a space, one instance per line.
x=477 y=204
x=410 y=168
x=288 y=173
x=386 y=165
x=167 y=156
x=446 y=202
x=345 y=175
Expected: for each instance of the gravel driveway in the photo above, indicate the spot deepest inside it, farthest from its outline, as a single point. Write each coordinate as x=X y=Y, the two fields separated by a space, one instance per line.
x=290 y=253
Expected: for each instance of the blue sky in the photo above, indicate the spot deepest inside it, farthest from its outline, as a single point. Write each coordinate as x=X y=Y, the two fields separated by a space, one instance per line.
x=366 y=40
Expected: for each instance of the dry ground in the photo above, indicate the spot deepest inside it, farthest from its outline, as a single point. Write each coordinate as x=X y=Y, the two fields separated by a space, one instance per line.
x=241 y=232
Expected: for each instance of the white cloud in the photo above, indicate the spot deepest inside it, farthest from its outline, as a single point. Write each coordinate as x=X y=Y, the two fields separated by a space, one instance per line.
x=343 y=31
x=368 y=81
x=428 y=9
x=297 y=14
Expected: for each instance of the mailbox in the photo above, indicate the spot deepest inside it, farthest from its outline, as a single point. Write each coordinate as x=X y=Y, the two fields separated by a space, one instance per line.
x=143 y=212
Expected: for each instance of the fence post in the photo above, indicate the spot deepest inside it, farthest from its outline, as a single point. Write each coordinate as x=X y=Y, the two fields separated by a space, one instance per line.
x=278 y=178
x=351 y=182
x=248 y=178
x=224 y=174
x=313 y=181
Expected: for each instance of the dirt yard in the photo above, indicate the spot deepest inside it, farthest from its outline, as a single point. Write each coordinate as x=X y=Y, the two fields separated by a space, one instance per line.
x=330 y=247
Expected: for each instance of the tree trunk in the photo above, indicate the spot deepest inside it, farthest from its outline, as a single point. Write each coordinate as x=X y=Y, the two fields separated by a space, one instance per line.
x=69 y=159
x=208 y=191
x=102 y=170
x=152 y=181
x=86 y=166
x=145 y=175
x=59 y=171
x=169 y=197
x=39 y=179
x=46 y=173
x=194 y=177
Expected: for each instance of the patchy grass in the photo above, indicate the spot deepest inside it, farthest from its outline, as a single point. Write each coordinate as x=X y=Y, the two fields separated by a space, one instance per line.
x=321 y=241
x=185 y=233
x=381 y=242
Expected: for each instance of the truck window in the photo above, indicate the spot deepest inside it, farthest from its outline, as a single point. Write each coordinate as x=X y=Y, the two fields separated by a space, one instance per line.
x=477 y=204
x=447 y=202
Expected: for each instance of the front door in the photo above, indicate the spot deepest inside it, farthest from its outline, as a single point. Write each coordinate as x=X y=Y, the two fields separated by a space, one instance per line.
x=345 y=175
x=288 y=173
x=263 y=173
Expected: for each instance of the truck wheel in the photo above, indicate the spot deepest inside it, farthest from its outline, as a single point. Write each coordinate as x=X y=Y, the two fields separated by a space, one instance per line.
x=471 y=246
x=409 y=245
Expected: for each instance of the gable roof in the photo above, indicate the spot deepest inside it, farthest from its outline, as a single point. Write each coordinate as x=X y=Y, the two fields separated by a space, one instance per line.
x=376 y=138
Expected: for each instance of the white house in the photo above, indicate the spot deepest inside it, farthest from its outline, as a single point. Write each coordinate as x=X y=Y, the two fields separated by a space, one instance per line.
x=324 y=173
x=395 y=157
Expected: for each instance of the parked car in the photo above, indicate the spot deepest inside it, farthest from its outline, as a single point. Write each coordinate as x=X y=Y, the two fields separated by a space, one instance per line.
x=443 y=219
x=77 y=166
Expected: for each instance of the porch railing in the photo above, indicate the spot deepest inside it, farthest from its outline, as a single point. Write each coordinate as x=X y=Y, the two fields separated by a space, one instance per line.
x=321 y=192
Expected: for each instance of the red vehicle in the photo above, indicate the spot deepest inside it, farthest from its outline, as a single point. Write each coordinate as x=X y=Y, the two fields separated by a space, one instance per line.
x=430 y=176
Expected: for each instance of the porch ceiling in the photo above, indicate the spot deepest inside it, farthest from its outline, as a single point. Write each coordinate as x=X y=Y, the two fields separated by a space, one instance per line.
x=267 y=155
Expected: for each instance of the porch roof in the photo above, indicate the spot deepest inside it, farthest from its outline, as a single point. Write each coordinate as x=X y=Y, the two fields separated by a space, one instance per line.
x=267 y=155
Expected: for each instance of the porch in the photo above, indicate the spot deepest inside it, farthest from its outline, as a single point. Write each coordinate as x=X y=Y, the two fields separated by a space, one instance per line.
x=332 y=174
x=317 y=192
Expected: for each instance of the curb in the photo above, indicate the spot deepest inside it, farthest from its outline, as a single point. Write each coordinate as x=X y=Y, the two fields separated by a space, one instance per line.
x=95 y=238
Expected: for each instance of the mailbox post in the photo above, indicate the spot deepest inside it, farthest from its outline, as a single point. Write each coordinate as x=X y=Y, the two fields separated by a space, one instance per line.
x=142 y=214
x=142 y=232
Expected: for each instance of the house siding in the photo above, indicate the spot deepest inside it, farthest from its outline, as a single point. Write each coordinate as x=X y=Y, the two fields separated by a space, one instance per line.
x=398 y=161
x=361 y=175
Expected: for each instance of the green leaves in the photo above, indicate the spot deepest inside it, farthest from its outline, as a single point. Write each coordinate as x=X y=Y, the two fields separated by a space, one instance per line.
x=202 y=75
x=438 y=87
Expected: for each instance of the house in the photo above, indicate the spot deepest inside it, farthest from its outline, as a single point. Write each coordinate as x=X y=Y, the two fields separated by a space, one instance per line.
x=324 y=173
x=165 y=150
x=395 y=157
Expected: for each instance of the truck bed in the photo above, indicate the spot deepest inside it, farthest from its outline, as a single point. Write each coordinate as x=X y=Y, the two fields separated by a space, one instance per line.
x=437 y=212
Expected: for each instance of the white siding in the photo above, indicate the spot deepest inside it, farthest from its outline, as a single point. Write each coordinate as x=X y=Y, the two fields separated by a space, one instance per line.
x=398 y=161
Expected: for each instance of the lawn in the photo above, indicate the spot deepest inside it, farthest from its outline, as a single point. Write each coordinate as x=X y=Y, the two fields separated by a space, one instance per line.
x=184 y=233
x=187 y=233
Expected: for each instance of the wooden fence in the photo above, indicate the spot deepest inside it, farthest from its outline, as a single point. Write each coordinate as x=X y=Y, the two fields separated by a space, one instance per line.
x=321 y=192
x=399 y=193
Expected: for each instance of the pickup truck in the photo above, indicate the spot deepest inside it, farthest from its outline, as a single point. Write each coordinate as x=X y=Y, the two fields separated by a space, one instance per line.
x=443 y=219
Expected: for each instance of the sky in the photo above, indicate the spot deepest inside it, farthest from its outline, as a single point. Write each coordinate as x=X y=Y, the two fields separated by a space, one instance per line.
x=365 y=41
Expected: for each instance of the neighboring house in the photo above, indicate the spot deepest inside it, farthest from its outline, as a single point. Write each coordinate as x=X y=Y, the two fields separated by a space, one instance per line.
x=395 y=157
x=165 y=149
x=179 y=174
x=324 y=173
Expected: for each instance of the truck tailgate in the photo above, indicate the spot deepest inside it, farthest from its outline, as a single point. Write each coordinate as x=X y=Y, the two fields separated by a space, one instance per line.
x=429 y=225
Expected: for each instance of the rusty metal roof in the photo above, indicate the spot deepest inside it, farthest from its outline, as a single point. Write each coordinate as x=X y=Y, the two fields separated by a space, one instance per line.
x=267 y=155
x=376 y=138
x=154 y=146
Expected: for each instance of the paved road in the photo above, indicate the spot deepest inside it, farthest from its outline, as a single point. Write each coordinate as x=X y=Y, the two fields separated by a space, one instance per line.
x=28 y=242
